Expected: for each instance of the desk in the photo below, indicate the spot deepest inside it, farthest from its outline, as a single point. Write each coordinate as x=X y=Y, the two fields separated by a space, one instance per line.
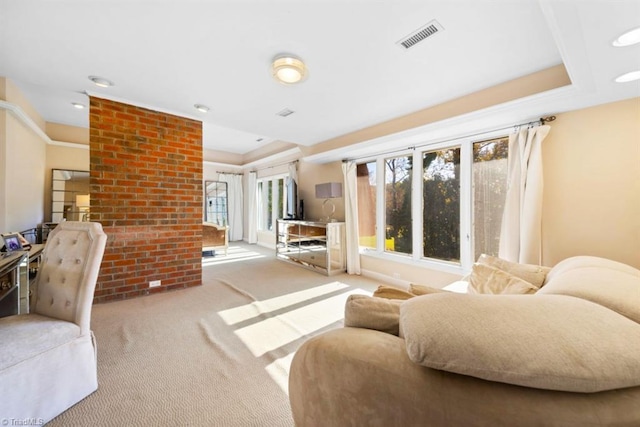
x=10 y=279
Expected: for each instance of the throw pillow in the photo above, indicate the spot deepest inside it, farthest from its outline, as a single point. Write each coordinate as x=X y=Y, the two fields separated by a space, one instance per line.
x=391 y=292
x=380 y=314
x=551 y=342
x=488 y=280
x=534 y=274
x=424 y=290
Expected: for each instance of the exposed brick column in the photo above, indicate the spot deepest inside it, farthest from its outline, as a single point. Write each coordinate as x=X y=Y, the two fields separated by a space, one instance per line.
x=146 y=190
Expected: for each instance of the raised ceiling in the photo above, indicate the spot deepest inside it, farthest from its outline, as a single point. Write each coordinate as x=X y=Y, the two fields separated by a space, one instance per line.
x=169 y=55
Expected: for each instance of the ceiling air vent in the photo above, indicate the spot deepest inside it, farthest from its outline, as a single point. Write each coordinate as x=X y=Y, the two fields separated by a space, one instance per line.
x=429 y=30
x=284 y=113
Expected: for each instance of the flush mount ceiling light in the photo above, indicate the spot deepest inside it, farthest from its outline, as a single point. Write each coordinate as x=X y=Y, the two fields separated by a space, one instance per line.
x=288 y=69
x=101 y=81
x=201 y=108
x=78 y=105
x=627 y=39
x=628 y=77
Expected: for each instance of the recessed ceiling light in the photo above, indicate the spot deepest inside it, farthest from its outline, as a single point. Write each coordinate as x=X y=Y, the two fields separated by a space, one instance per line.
x=628 y=77
x=101 y=81
x=78 y=105
x=627 y=39
x=201 y=108
x=288 y=69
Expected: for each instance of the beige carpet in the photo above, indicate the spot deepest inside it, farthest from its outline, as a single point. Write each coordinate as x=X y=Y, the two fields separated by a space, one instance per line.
x=215 y=355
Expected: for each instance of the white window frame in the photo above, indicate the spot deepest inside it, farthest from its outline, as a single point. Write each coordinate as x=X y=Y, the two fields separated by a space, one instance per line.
x=270 y=181
x=466 y=204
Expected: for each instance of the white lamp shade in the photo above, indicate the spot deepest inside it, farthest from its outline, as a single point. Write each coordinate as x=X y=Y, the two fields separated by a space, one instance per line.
x=82 y=200
x=329 y=190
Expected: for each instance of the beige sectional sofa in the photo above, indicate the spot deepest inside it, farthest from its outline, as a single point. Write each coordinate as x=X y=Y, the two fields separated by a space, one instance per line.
x=568 y=355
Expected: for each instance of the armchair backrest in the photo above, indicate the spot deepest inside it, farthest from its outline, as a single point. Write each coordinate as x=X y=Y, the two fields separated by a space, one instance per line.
x=68 y=272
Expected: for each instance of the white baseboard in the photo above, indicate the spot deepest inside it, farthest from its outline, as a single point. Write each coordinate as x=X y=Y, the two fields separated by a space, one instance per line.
x=387 y=280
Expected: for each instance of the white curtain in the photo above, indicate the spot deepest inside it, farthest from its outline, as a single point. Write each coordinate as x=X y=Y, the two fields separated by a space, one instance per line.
x=252 y=222
x=293 y=171
x=351 y=217
x=234 y=201
x=521 y=230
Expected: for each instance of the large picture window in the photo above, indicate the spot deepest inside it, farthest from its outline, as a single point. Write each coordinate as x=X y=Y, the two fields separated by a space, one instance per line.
x=453 y=215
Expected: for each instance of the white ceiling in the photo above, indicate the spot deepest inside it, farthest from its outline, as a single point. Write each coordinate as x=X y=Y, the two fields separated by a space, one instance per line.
x=171 y=54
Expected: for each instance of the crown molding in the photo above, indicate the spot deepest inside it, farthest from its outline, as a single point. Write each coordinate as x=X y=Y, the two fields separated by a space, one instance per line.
x=278 y=157
x=70 y=144
x=223 y=165
x=19 y=114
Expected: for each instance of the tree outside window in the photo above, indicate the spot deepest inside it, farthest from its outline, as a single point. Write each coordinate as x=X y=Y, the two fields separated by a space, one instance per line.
x=454 y=230
x=398 y=204
x=441 y=204
x=489 y=194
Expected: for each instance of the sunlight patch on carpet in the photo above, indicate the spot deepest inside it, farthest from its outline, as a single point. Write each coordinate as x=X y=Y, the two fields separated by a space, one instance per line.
x=279 y=370
x=275 y=332
x=234 y=254
x=255 y=308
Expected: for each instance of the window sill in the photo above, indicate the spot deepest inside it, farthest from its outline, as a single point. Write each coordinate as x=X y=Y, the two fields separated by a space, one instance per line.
x=443 y=266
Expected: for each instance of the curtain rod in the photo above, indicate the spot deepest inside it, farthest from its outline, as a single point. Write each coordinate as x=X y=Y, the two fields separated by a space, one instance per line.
x=231 y=173
x=540 y=121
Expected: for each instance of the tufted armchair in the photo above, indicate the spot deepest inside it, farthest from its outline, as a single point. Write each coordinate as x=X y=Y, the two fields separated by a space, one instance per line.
x=48 y=358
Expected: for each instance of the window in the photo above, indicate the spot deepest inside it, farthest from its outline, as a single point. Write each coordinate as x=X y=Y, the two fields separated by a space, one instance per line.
x=441 y=204
x=451 y=217
x=489 y=194
x=397 y=198
x=366 y=188
x=271 y=202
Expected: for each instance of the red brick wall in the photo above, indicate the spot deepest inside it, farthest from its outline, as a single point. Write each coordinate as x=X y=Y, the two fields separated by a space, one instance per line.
x=146 y=190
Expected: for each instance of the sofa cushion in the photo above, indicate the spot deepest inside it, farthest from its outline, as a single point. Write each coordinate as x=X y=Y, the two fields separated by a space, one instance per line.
x=391 y=292
x=381 y=314
x=534 y=274
x=32 y=334
x=424 y=290
x=605 y=282
x=485 y=279
x=550 y=342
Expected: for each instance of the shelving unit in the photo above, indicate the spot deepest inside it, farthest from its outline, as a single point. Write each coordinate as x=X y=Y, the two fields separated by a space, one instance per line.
x=319 y=246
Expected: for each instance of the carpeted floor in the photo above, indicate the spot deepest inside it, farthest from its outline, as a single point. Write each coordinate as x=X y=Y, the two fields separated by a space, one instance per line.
x=215 y=355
